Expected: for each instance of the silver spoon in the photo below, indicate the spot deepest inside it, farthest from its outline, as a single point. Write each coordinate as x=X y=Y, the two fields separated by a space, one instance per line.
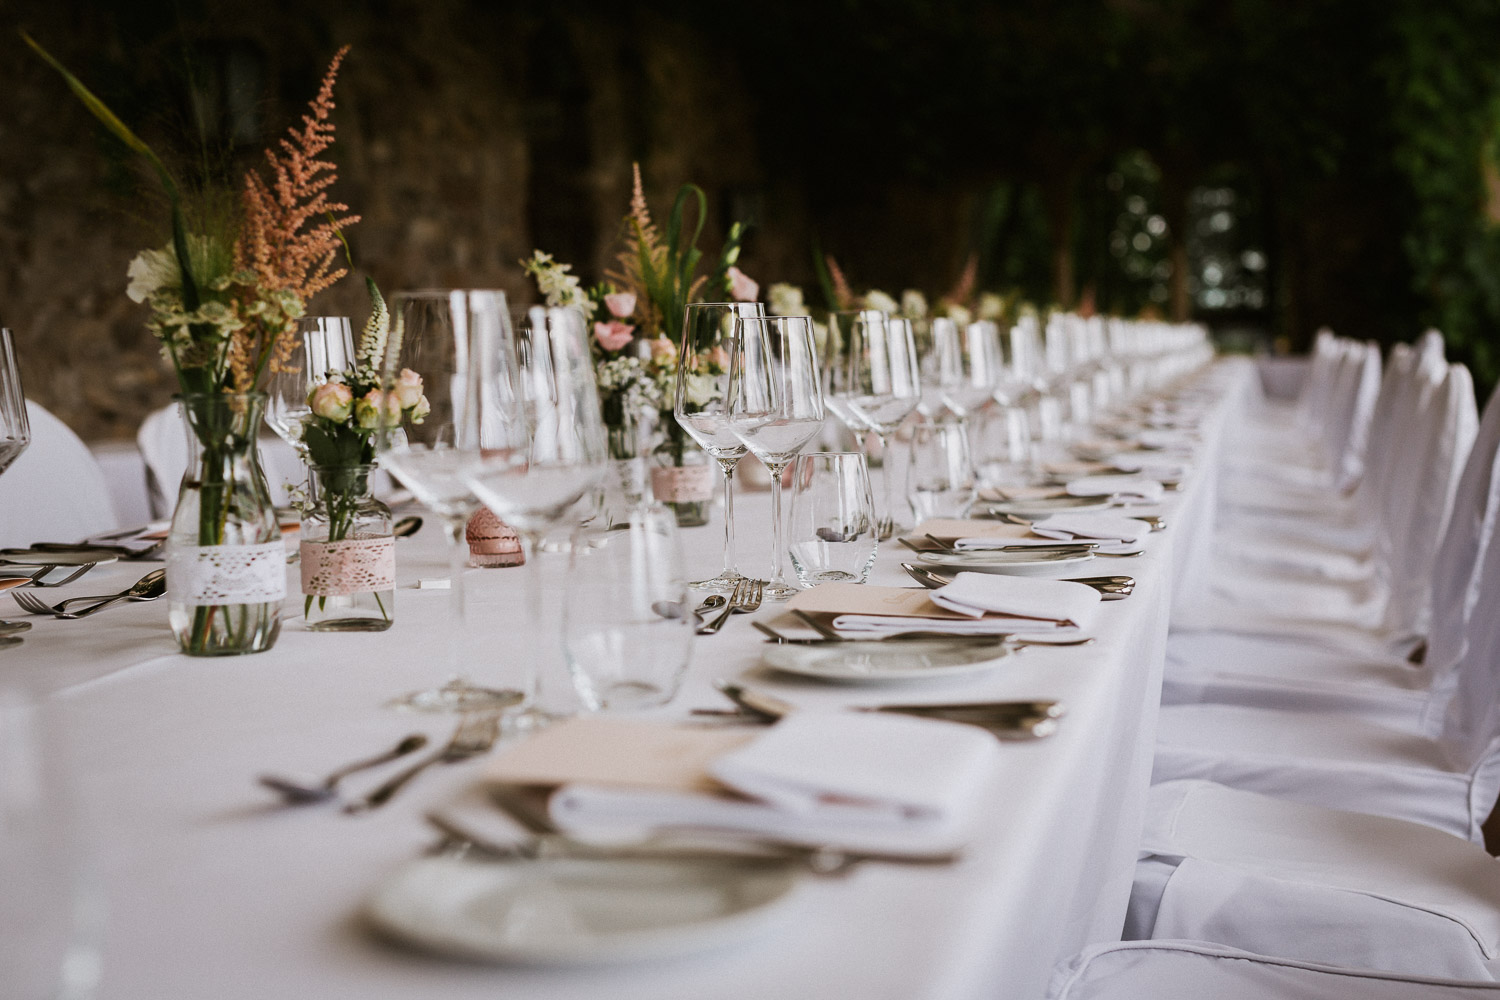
x=298 y=793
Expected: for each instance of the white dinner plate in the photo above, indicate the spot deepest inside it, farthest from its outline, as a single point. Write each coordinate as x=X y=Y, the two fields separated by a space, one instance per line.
x=880 y=660
x=1043 y=506
x=34 y=557
x=575 y=911
x=1011 y=563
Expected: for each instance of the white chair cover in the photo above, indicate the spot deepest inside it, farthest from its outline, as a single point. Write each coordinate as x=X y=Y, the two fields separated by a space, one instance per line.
x=1300 y=881
x=163 y=442
x=1188 y=970
x=55 y=491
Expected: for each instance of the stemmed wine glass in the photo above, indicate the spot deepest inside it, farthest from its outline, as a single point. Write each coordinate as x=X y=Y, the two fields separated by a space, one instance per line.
x=15 y=435
x=325 y=345
x=458 y=342
x=15 y=429
x=543 y=446
x=873 y=384
x=701 y=407
x=775 y=407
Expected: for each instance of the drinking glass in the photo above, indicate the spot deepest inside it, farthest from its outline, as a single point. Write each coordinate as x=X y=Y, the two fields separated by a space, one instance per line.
x=543 y=449
x=459 y=342
x=962 y=367
x=775 y=407
x=701 y=406
x=627 y=634
x=325 y=346
x=832 y=519
x=874 y=361
x=15 y=430
x=942 y=482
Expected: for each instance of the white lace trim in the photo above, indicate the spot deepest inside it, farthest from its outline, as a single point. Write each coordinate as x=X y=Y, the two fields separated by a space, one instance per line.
x=202 y=575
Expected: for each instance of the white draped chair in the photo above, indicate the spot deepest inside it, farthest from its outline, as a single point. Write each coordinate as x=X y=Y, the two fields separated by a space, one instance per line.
x=1301 y=881
x=1286 y=674
x=55 y=491
x=1187 y=970
x=163 y=442
x=1445 y=774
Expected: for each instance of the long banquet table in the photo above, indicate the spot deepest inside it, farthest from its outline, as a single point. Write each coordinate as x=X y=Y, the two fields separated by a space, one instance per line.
x=213 y=891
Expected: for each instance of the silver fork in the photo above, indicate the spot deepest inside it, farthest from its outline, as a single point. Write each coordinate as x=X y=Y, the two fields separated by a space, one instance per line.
x=38 y=578
x=736 y=596
x=476 y=734
x=37 y=606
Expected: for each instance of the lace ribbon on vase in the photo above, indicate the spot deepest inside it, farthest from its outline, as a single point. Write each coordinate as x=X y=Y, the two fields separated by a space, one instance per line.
x=351 y=566
x=202 y=575
x=683 y=483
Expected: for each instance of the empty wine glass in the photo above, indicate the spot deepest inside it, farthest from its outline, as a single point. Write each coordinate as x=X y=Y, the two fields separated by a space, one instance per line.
x=775 y=407
x=701 y=406
x=15 y=429
x=627 y=634
x=543 y=449
x=324 y=346
x=458 y=342
x=875 y=379
x=941 y=477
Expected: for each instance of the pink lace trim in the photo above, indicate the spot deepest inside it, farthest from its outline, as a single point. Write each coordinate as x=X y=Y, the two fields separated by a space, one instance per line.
x=683 y=483
x=352 y=566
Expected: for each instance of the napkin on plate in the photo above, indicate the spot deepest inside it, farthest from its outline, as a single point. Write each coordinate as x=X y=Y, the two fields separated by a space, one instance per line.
x=863 y=611
x=1161 y=440
x=858 y=780
x=1129 y=489
x=1058 y=603
x=1093 y=526
x=1150 y=465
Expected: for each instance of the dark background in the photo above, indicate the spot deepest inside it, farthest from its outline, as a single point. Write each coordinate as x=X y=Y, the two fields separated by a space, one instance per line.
x=1267 y=166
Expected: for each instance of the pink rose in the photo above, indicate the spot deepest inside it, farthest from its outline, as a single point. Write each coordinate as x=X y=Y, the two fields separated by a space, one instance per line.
x=613 y=335
x=408 y=388
x=662 y=349
x=620 y=304
x=719 y=357
x=741 y=286
x=331 y=401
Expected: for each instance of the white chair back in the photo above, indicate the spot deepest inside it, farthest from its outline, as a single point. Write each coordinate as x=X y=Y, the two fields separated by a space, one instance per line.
x=163 y=442
x=55 y=492
x=1350 y=425
x=1190 y=970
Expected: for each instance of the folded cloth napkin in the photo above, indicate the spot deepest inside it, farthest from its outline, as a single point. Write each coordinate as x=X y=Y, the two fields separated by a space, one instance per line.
x=1096 y=526
x=1129 y=489
x=1161 y=440
x=1061 y=603
x=979 y=535
x=857 y=780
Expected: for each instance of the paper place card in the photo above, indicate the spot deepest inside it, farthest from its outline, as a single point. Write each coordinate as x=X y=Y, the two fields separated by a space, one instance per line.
x=978 y=535
x=593 y=750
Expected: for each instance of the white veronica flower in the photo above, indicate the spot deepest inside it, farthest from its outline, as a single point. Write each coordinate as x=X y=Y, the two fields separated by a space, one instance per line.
x=913 y=304
x=876 y=299
x=786 y=300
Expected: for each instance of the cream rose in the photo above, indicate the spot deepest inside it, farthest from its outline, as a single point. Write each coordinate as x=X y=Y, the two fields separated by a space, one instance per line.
x=331 y=401
x=741 y=286
x=408 y=388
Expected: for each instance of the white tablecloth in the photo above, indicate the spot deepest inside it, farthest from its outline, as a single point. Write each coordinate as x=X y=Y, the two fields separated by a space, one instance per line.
x=214 y=892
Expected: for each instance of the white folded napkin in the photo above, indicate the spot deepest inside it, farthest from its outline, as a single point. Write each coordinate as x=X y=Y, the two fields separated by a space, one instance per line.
x=1036 y=605
x=869 y=780
x=1098 y=526
x=1123 y=488
x=1158 y=439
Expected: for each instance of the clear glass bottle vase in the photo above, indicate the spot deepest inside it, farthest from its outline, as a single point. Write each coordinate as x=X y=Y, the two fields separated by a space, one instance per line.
x=348 y=555
x=683 y=478
x=226 y=567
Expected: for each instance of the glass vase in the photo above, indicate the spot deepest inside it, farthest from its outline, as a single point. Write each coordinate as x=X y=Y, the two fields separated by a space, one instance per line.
x=226 y=566
x=683 y=479
x=348 y=555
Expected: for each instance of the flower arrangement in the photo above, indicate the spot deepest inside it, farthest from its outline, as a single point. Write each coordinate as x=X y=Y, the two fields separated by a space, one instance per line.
x=637 y=315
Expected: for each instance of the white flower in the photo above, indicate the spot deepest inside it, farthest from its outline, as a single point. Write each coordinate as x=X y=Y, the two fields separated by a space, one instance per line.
x=151 y=271
x=991 y=306
x=558 y=287
x=913 y=304
x=786 y=300
x=702 y=389
x=876 y=299
x=960 y=315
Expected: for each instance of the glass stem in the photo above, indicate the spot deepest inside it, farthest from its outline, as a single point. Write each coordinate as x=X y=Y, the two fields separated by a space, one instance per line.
x=729 y=560
x=531 y=681
x=776 y=553
x=887 y=516
x=453 y=530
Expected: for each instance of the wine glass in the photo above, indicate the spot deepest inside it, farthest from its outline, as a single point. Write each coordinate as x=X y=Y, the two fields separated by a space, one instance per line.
x=325 y=346
x=875 y=377
x=459 y=342
x=701 y=406
x=775 y=407
x=15 y=429
x=543 y=449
